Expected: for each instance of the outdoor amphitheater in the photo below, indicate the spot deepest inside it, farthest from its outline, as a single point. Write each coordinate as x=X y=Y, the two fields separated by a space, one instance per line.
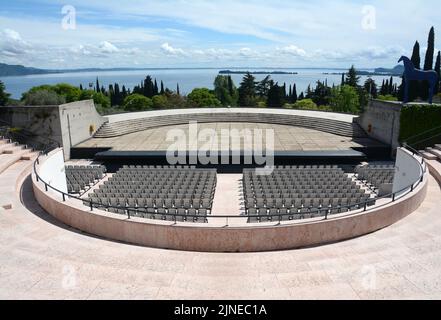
x=217 y=203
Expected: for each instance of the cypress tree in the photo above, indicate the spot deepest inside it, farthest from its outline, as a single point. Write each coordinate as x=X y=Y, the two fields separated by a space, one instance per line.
x=97 y=88
x=391 y=85
x=155 y=89
x=81 y=87
x=414 y=86
x=149 y=88
x=230 y=86
x=416 y=59
x=177 y=90
x=124 y=92
x=162 y=87
x=111 y=95
x=438 y=71
x=428 y=62
x=294 y=94
x=343 y=80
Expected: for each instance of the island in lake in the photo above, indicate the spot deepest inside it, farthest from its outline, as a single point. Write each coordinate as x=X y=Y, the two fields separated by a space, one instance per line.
x=397 y=71
x=254 y=72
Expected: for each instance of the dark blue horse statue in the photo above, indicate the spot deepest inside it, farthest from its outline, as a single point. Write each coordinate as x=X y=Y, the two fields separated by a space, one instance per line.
x=410 y=73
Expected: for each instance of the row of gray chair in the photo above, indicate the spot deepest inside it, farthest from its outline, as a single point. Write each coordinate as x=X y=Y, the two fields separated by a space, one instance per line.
x=81 y=178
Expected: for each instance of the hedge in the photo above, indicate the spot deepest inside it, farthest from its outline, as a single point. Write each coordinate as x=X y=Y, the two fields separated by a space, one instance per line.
x=416 y=119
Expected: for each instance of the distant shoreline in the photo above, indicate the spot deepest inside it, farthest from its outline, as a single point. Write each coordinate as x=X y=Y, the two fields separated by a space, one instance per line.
x=365 y=73
x=255 y=72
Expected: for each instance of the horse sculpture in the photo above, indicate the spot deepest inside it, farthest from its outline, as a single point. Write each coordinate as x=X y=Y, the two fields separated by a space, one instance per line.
x=410 y=73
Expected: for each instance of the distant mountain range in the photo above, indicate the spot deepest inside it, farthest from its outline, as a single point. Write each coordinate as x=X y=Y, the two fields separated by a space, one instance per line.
x=7 y=70
x=254 y=72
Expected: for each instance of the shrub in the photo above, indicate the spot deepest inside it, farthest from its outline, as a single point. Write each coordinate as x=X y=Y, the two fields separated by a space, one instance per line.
x=137 y=102
x=417 y=119
x=44 y=98
x=202 y=97
x=67 y=91
x=98 y=98
x=305 y=104
x=160 y=102
x=176 y=101
x=387 y=97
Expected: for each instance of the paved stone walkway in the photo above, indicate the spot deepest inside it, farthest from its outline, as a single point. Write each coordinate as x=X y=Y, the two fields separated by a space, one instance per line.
x=42 y=259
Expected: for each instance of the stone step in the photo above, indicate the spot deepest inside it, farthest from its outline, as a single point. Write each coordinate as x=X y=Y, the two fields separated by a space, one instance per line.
x=428 y=156
x=437 y=146
x=31 y=155
x=6 y=146
x=435 y=152
x=8 y=159
x=13 y=149
x=124 y=127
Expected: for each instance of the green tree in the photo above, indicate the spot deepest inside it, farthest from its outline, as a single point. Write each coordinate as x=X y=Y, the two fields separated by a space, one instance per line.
x=247 y=91
x=276 y=96
x=160 y=102
x=414 y=86
x=264 y=86
x=225 y=90
x=43 y=98
x=371 y=87
x=202 y=97
x=148 y=87
x=293 y=96
x=4 y=97
x=428 y=63
x=69 y=92
x=345 y=99
x=438 y=71
x=98 y=98
x=137 y=102
x=352 y=78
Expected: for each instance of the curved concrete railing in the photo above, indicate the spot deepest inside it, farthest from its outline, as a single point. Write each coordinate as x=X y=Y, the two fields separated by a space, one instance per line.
x=327 y=122
x=240 y=238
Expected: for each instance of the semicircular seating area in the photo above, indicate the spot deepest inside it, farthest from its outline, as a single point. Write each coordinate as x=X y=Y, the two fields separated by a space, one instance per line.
x=337 y=127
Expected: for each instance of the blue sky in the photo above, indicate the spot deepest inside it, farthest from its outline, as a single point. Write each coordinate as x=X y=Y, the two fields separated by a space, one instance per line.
x=227 y=33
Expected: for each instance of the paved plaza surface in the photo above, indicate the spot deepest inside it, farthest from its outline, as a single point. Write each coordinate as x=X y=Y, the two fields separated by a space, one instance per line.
x=286 y=138
x=43 y=259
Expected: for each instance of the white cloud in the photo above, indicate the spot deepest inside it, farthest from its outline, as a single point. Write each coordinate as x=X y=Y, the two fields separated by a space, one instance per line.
x=11 y=43
x=292 y=50
x=169 y=50
x=107 y=47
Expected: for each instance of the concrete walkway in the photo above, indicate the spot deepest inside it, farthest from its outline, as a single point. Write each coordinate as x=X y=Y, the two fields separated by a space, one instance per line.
x=42 y=259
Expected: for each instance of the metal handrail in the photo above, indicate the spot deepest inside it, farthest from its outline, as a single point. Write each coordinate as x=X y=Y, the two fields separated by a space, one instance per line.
x=362 y=205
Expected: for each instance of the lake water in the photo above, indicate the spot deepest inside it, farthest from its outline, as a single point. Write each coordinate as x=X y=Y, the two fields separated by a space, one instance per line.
x=188 y=79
